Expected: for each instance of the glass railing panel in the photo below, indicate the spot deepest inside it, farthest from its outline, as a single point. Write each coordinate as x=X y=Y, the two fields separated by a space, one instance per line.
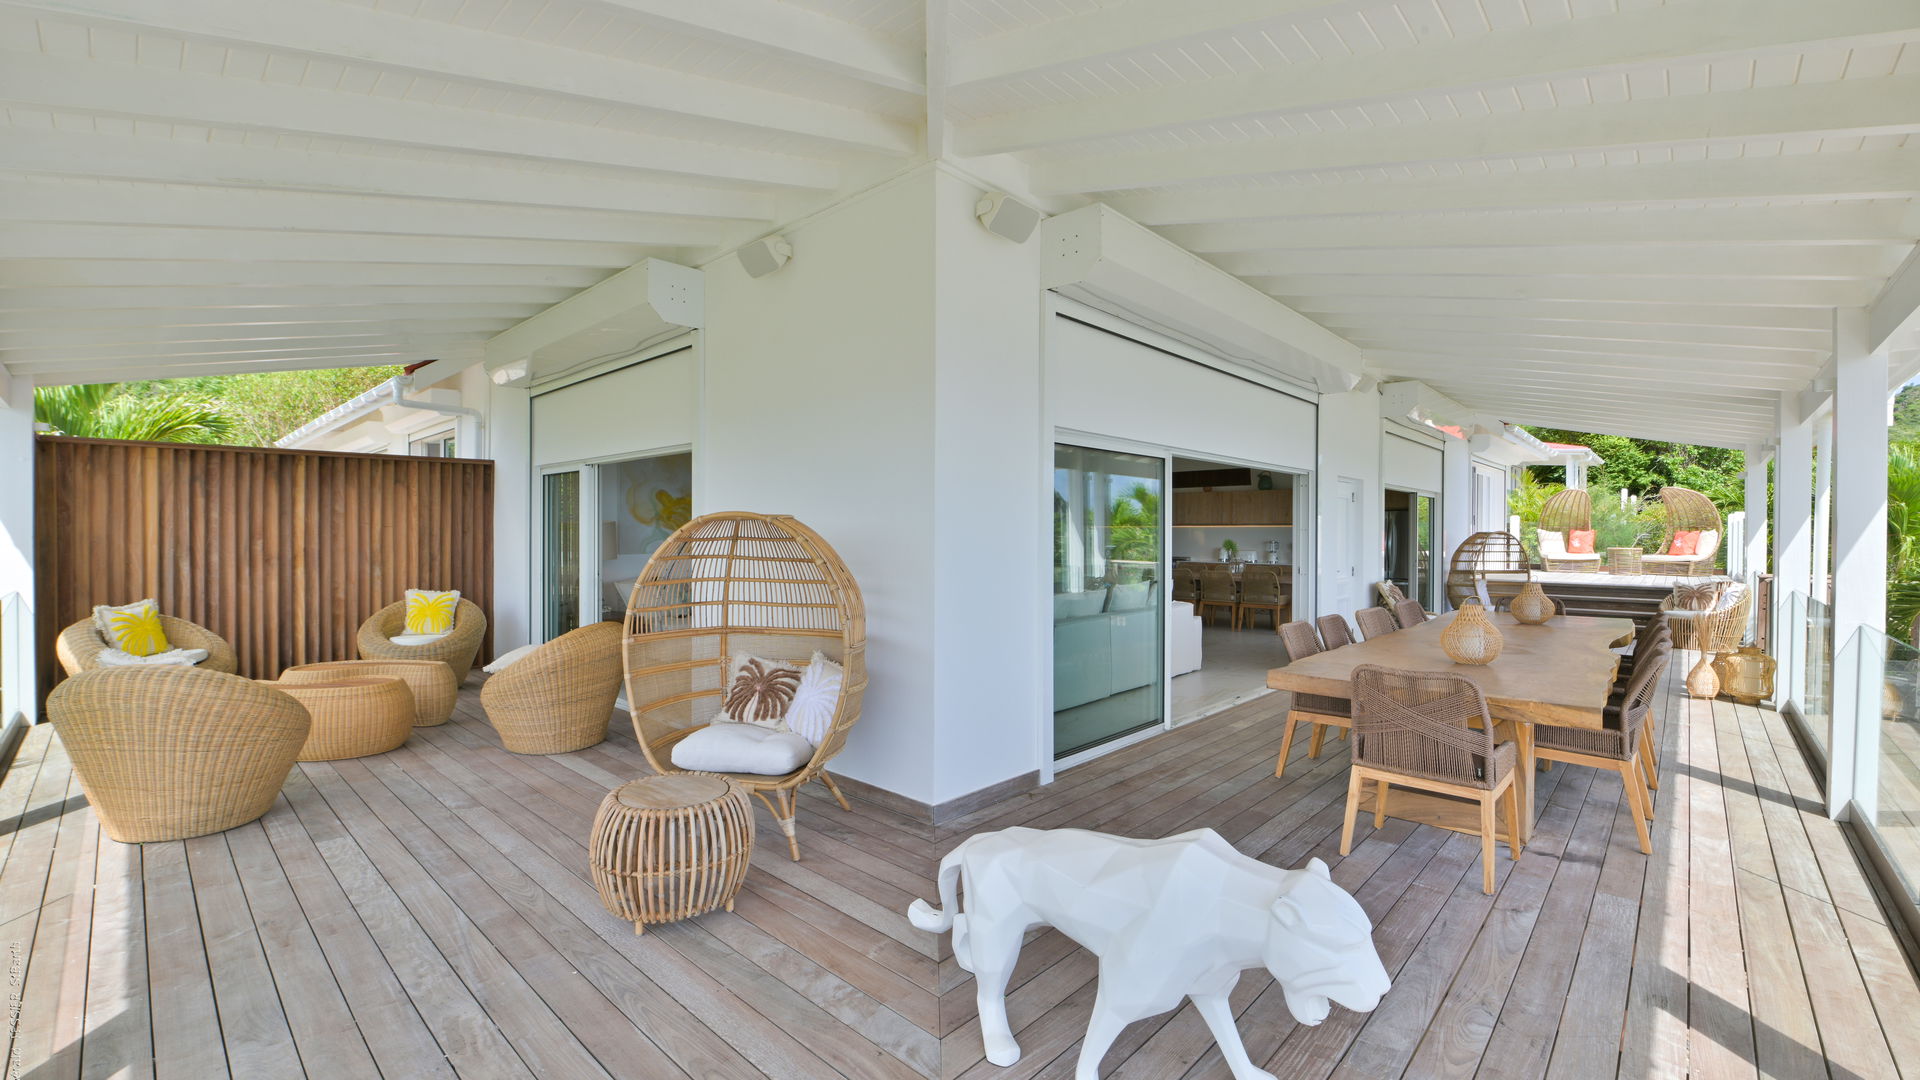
x=1893 y=667
x=1816 y=683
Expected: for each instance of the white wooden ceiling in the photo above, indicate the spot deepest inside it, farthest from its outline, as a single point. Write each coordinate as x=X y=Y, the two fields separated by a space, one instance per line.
x=1620 y=215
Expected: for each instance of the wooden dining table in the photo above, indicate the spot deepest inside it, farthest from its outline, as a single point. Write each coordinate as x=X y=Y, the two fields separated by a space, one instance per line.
x=1559 y=672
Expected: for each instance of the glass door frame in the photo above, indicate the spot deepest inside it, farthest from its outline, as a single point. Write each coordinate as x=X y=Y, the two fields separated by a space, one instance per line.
x=589 y=511
x=1306 y=547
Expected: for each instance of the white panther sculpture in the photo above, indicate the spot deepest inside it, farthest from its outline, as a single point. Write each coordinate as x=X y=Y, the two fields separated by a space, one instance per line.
x=1172 y=918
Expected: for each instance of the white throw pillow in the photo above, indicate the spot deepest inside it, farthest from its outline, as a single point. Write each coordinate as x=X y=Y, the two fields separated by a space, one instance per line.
x=417 y=639
x=816 y=699
x=181 y=657
x=742 y=748
x=506 y=659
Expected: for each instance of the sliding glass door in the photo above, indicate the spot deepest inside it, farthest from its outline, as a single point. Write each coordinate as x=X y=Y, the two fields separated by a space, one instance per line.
x=599 y=524
x=1108 y=608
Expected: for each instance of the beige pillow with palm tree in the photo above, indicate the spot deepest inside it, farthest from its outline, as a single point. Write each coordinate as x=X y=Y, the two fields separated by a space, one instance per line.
x=758 y=691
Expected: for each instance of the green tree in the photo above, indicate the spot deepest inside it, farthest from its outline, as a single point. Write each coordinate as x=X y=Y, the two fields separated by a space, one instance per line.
x=264 y=406
x=1644 y=466
x=108 y=411
x=1906 y=414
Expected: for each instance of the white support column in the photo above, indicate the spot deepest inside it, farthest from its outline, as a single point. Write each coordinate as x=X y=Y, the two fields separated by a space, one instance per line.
x=1456 y=502
x=1792 y=545
x=1757 y=540
x=1859 y=564
x=1822 y=580
x=516 y=609
x=19 y=679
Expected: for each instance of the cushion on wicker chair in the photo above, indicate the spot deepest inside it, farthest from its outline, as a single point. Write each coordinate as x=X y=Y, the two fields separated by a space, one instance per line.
x=742 y=748
x=132 y=628
x=816 y=701
x=1580 y=541
x=120 y=658
x=430 y=612
x=417 y=639
x=505 y=660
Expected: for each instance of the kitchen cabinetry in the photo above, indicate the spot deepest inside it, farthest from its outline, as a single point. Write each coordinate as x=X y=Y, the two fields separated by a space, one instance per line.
x=1233 y=507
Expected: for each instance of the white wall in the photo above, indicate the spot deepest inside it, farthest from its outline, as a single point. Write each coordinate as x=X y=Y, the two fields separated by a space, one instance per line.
x=1411 y=464
x=19 y=678
x=1350 y=447
x=818 y=402
x=990 y=581
x=1456 y=501
x=637 y=409
x=509 y=420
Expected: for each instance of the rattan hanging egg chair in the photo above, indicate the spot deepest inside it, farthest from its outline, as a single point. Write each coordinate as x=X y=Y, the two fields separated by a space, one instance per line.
x=740 y=583
x=1567 y=512
x=1493 y=559
x=1687 y=511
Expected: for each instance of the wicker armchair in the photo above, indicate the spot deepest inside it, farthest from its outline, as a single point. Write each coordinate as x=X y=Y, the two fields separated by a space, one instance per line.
x=1624 y=745
x=559 y=697
x=1375 y=622
x=169 y=752
x=1690 y=511
x=1312 y=709
x=1414 y=728
x=79 y=646
x=1564 y=513
x=1409 y=614
x=741 y=583
x=456 y=650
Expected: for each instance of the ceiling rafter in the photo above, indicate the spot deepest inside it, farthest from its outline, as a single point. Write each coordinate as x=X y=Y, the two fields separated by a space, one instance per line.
x=1844 y=263
x=28 y=241
x=1763 y=292
x=266 y=277
x=263 y=300
x=789 y=32
x=1698 y=30
x=160 y=320
x=358 y=35
x=1875 y=174
x=1853 y=108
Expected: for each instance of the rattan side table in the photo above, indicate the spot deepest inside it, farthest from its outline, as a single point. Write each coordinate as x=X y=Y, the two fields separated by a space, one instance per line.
x=1624 y=560
x=434 y=691
x=671 y=847
x=352 y=717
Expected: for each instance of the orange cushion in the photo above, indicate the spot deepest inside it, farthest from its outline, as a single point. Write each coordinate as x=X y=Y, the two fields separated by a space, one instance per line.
x=1685 y=542
x=1580 y=541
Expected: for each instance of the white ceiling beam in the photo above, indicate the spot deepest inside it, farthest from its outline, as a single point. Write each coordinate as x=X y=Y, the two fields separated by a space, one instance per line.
x=1114 y=30
x=44 y=200
x=220 y=101
x=1623 y=357
x=1653 y=290
x=1651 y=401
x=789 y=32
x=206 y=320
x=83 y=337
x=264 y=245
x=1643 y=37
x=1606 y=417
x=175 y=369
x=1841 y=263
x=1594 y=378
x=1658 y=312
x=61 y=153
x=400 y=43
x=1896 y=310
x=1816 y=224
x=1547 y=330
x=73 y=273
x=267 y=300
x=144 y=367
x=1879 y=174
x=1851 y=108
x=38 y=359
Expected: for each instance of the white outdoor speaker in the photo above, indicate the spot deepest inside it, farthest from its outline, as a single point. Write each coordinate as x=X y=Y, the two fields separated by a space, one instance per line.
x=1004 y=215
x=763 y=257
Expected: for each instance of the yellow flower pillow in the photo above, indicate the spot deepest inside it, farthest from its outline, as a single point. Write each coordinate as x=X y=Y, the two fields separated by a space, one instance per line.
x=132 y=628
x=431 y=612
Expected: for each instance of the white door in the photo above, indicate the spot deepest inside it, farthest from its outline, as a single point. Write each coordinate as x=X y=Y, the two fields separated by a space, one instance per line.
x=1340 y=554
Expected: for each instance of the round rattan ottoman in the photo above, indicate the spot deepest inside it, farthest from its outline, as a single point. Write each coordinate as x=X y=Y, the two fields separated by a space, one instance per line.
x=671 y=847
x=353 y=717
x=1624 y=560
x=431 y=681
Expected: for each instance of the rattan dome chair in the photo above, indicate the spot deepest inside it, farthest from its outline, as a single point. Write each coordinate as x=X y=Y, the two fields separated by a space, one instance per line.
x=456 y=650
x=1493 y=558
x=1687 y=510
x=740 y=583
x=559 y=697
x=1563 y=513
x=168 y=752
x=79 y=646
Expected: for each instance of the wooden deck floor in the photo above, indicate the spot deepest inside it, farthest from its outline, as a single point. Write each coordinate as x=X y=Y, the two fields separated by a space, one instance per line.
x=427 y=914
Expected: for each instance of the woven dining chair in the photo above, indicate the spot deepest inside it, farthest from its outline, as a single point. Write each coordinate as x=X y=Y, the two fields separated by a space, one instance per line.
x=1261 y=589
x=1409 y=614
x=1186 y=584
x=1413 y=728
x=1314 y=709
x=1375 y=622
x=1218 y=590
x=1334 y=631
x=1623 y=745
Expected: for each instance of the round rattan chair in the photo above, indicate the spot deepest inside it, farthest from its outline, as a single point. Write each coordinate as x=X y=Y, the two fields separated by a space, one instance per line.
x=559 y=697
x=79 y=646
x=169 y=752
x=1687 y=510
x=1493 y=558
x=1563 y=513
x=456 y=650
x=750 y=584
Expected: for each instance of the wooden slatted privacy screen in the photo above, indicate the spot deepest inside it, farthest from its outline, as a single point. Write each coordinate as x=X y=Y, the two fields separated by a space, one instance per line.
x=282 y=552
